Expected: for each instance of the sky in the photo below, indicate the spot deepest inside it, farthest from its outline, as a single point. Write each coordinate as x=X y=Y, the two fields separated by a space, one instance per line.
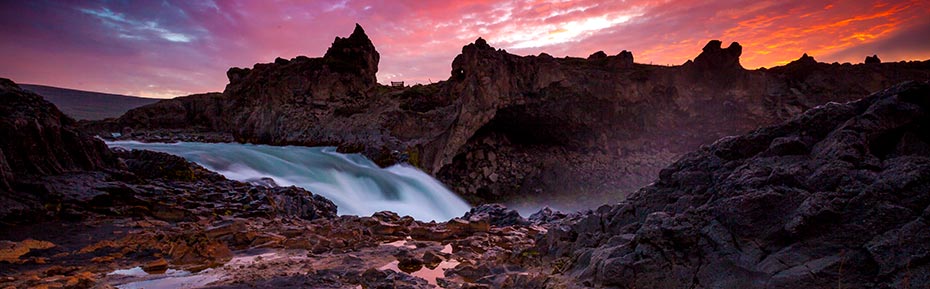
x=172 y=48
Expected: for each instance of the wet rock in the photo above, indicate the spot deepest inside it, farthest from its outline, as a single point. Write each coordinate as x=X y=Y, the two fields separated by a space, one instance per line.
x=431 y=259
x=495 y=214
x=408 y=262
x=226 y=228
x=156 y=267
x=388 y=279
x=546 y=215
x=12 y=251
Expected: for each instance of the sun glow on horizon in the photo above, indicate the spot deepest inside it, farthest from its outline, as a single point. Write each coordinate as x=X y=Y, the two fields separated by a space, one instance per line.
x=185 y=47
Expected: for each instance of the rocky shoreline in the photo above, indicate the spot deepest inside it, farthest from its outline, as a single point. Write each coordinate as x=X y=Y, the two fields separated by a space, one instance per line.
x=833 y=191
x=836 y=196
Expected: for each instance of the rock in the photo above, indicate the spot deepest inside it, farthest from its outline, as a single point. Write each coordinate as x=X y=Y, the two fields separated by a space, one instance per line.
x=11 y=251
x=715 y=58
x=226 y=228
x=373 y=278
x=585 y=130
x=408 y=262
x=431 y=259
x=495 y=214
x=546 y=215
x=39 y=140
x=872 y=59
x=626 y=57
x=805 y=60
x=600 y=55
x=831 y=194
x=156 y=267
x=297 y=202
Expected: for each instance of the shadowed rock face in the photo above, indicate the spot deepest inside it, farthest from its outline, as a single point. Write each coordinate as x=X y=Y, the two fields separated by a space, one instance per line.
x=52 y=170
x=835 y=197
x=512 y=128
x=38 y=140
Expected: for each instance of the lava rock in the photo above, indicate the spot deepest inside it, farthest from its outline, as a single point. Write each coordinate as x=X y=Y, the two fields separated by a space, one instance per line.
x=828 y=195
x=496 y=215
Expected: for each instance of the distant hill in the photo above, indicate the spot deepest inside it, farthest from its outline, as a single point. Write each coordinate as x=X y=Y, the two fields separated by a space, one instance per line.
x=88 y=105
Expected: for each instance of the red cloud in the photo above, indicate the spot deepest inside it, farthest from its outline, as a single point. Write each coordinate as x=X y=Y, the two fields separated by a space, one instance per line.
x=165 y=49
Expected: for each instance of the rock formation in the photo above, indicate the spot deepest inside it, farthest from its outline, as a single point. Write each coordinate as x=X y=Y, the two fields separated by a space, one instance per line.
x=52 y=170
x=511 y=128
x=836 y=197
x=872 y=59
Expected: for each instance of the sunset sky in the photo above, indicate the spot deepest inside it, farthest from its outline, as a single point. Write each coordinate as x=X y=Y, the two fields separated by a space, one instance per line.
x=173 y=48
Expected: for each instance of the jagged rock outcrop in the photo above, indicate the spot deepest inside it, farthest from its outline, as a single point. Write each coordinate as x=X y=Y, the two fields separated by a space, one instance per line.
x=50 y=169
x=716 y=58
x=39 y=140
x=514 y=128
x=836 y=197
x=872 y=59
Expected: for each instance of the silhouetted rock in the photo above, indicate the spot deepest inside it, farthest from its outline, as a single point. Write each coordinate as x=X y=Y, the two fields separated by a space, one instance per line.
x=872 y=59
x=625 y=58
x=600 y=55
x=805 y=60
x=836 y=196
x=505 y=127
x=714 y=57
x=38 y=140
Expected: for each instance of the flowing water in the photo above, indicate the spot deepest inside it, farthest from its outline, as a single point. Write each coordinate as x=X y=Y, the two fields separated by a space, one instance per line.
x=356 y=184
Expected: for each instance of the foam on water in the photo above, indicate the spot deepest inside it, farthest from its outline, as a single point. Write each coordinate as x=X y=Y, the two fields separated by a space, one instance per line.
x=353 y=182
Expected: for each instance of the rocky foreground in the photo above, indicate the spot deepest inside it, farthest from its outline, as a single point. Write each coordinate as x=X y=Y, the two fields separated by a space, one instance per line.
x=512 y=128
x=836 y=197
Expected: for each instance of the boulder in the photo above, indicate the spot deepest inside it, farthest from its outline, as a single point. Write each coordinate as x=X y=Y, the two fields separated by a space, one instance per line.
x=495 y=214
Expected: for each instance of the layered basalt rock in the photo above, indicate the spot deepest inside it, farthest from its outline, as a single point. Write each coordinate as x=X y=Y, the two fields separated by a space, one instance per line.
x=835 y=197
x=512 y=128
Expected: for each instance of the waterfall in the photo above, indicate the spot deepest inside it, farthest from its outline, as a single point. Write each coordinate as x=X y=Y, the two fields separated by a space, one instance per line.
x=355 y=183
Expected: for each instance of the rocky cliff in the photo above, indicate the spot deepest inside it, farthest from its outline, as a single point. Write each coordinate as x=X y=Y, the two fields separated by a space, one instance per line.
x=52 y=170
x=512 y=128
x=836 y=197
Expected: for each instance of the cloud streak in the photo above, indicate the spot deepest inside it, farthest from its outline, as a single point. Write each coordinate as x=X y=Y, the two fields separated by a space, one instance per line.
x=170 y=48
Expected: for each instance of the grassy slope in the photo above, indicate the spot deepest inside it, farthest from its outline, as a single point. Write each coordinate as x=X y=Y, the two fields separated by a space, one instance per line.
x=86 y=104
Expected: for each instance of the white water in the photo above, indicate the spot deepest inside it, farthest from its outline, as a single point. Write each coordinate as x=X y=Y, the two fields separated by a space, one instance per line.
x=353 y=182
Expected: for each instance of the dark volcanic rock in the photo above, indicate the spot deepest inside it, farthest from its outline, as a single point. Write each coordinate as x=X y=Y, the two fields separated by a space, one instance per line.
x=508 y=128
x=496 y=215
x=872 y=59
x=715 y=58
x=39 y=140
x=835 y=197
x=50 y=169
x=209 y=193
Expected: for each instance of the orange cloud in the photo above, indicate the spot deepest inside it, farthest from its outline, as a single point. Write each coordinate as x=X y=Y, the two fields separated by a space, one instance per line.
x=179 y=47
